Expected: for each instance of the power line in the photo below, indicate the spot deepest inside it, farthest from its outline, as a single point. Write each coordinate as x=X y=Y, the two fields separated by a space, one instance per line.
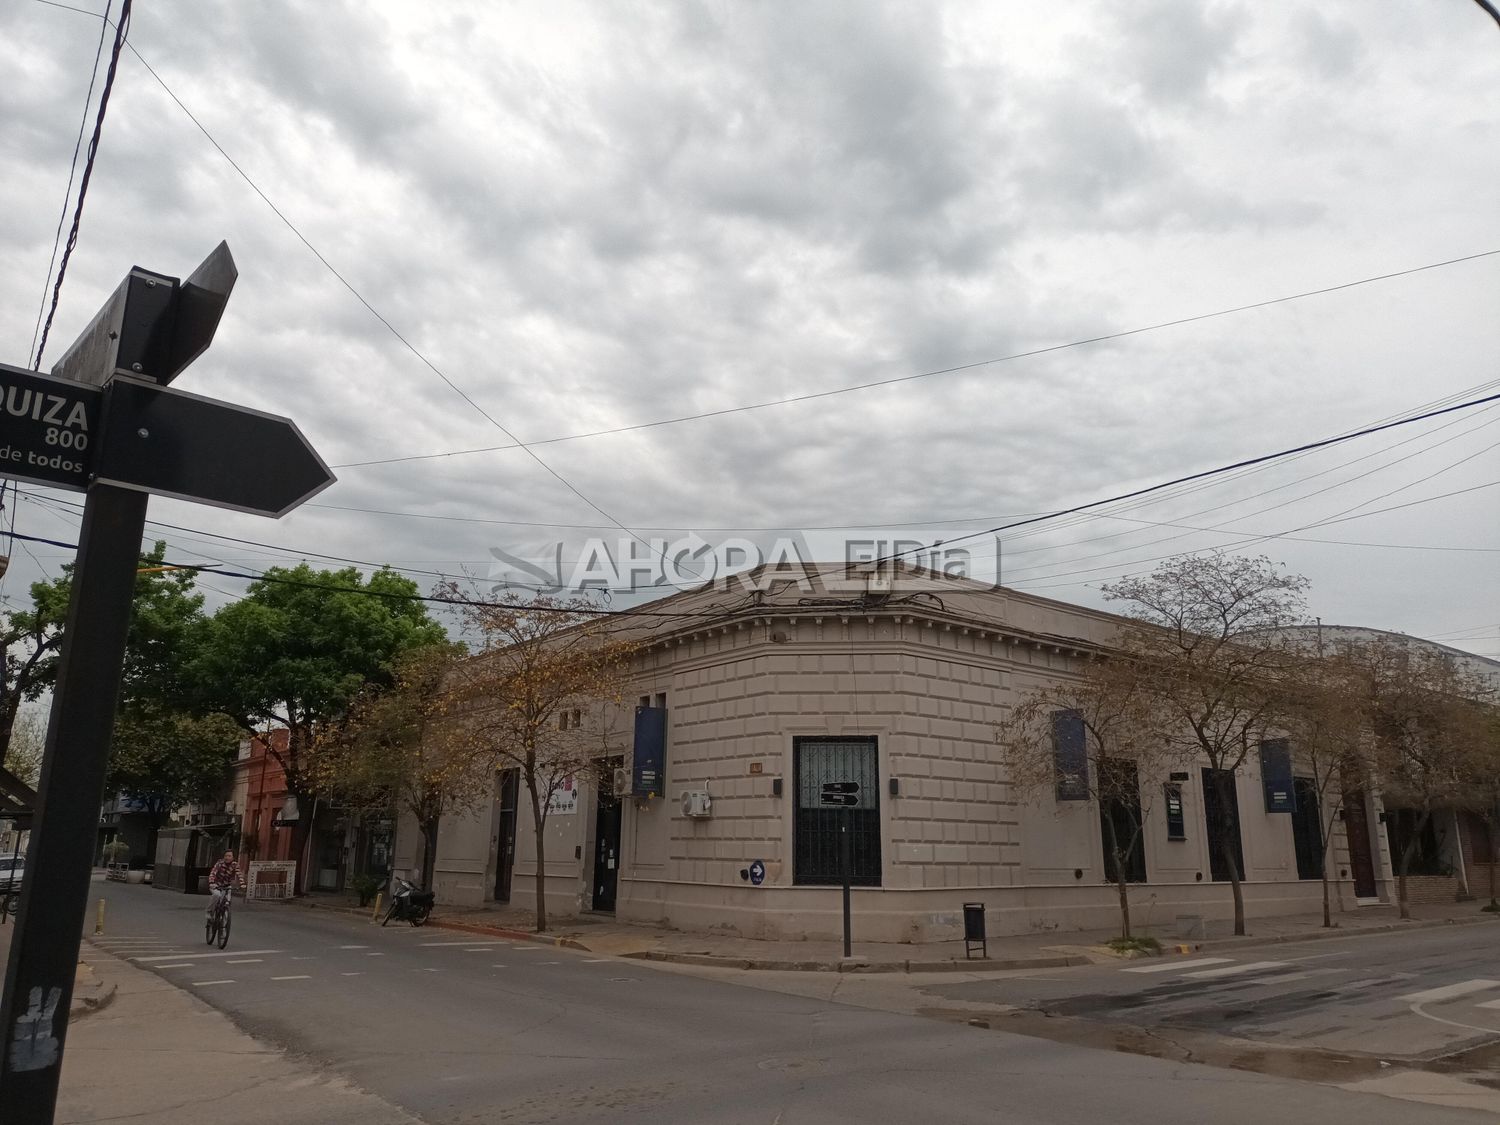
x=62 y=217
x=122 y=28
x=830 y=393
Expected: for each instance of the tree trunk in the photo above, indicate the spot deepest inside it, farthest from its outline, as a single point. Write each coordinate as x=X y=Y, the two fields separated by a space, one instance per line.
x=1409 y=849
x=1228 y=831
x=539 y=821
x=1120 y=883
x=300 y=835
x=429 y=850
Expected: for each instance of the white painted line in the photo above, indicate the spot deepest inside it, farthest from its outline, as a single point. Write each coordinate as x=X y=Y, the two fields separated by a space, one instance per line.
x=1235 y=970
x=200 y=956
x=1489 y=1004
x=241 y=961
x=1449 y=991
x=374 y=954
x=184 y=965
x=480 y=949
x=497 y=966
x=291 y=978
x=1172 y=965
x=304 y=958
x=351 y=974
x=205 y=983
x=457 y=944
x=429 y=970
x=598 y=961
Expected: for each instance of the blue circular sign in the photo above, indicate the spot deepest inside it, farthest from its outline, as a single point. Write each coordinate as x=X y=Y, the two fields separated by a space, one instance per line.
x=757 y=873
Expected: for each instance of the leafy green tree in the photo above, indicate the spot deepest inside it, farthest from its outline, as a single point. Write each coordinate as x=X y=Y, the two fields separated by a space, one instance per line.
x=298 y=649
x=29 y=639
x=164 y=758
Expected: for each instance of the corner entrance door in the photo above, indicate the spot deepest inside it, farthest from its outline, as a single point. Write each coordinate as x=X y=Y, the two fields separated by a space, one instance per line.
x=606 y=838
x=1361 y=858
x=505 y=847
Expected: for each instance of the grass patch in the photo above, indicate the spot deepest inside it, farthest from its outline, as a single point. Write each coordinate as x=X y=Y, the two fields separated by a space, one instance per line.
x=1134 y=945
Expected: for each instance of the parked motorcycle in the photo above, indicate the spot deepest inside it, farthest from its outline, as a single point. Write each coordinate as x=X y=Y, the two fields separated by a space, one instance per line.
x=409 y=903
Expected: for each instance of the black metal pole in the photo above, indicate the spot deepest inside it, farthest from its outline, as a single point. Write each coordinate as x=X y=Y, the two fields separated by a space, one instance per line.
x=54 y=896
x=846 y=863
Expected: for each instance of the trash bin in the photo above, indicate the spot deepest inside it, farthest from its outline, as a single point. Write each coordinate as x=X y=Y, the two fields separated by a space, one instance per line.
x=974 y=930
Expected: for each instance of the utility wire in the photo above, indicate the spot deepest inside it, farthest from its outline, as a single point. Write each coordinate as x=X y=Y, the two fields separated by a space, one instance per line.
x=830 y=393
x=122 y=29
x=62 y=217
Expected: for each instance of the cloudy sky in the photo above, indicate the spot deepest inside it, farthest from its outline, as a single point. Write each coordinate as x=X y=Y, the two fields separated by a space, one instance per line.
x=596 y=217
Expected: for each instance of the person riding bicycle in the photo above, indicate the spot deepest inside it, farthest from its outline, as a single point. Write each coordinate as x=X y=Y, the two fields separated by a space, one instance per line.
x=222 y=880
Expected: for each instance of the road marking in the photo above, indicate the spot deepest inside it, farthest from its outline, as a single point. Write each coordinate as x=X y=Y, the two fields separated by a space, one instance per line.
x=1235 y=970
x=200 y=956
x=351 y=974
x=291 y=978
x=374 y=954
x=479 y=949
x=354 y=947
x=457 y=944
x=497 y=966
x=598 y=961
x=206 y=983
x=1449 y=991
x=184 y=965
x=1172 y=965
x=429 y=970
x=241 y=961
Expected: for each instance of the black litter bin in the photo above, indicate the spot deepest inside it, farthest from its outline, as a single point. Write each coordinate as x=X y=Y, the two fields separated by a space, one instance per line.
x=974 y=930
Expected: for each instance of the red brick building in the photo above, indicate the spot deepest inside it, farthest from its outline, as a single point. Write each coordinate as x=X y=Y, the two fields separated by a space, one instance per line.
x=260 y=796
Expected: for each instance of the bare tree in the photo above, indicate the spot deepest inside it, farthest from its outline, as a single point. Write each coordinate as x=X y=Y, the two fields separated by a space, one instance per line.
x=1322 y=711
x=536 y=696
x=1430 y=726
x=1210 y=639
x=405 y=745
x=1097 y=738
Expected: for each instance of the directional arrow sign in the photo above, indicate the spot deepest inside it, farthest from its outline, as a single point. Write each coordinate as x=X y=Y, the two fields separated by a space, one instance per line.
x=49 y=428
x=177 y=444
x=841 y=798
x=840 y=787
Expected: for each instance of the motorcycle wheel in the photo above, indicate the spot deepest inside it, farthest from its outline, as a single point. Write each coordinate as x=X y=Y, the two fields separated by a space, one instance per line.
x=419 y=917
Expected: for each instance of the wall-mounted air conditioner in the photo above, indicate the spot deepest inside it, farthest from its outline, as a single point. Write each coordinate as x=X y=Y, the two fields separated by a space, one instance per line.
x=697 y=803
x=622 y=785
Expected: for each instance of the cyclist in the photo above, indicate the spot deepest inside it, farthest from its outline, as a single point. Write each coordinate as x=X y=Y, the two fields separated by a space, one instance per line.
x=222 y=881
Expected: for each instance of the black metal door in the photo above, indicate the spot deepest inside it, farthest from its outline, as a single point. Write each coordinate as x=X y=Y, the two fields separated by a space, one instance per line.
x=606 y=844
x=1361 y=856
x=1221 y=819
x=505 y=847
x=1307 y=829
x=816 y=827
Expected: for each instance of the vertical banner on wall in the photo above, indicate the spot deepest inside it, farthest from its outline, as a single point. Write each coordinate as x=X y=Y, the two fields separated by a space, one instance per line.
x=648 y=761
x=1070 y=756
x=1276 y=775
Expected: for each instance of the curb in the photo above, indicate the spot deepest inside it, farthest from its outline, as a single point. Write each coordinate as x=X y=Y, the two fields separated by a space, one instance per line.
x=103 y=996
x=449 y=924
x=855 y=965
x=1323 y=935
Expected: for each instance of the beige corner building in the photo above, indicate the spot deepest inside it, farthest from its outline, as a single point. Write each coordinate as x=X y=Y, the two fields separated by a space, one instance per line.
x=769 y=694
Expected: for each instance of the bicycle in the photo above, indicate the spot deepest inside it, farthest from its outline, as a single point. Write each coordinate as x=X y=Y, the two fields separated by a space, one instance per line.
x=216 y=926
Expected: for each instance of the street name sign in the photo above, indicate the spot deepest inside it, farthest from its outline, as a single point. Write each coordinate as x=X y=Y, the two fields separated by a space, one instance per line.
x=172 y=443
x=49 y=428
x=841 y=793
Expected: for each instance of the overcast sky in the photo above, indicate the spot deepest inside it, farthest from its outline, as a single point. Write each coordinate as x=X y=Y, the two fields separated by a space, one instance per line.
x=596 y=216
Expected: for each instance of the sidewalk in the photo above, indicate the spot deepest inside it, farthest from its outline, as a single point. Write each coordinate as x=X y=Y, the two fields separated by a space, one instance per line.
x=160 y=1054
x=90 y=993
x=602 y=934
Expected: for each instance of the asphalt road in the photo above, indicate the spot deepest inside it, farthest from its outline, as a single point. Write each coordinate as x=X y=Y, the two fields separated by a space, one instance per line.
x=469 y=1031
x=1414 y=996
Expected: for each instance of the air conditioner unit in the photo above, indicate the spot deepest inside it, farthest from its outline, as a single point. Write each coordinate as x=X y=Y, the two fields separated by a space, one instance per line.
x=697 y=803
x=622 y=783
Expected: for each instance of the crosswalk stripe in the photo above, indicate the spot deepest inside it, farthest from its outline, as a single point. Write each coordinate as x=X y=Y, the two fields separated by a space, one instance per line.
x=1449 y=991
x=1171 y=966
x=1235 y=970
x=200 y=956
x=1488 y=1004
x=202 y=983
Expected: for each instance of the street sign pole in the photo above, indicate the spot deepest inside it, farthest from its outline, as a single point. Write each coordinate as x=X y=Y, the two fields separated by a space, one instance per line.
x=846 y=864
x=49 y=926
x=105 y=423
